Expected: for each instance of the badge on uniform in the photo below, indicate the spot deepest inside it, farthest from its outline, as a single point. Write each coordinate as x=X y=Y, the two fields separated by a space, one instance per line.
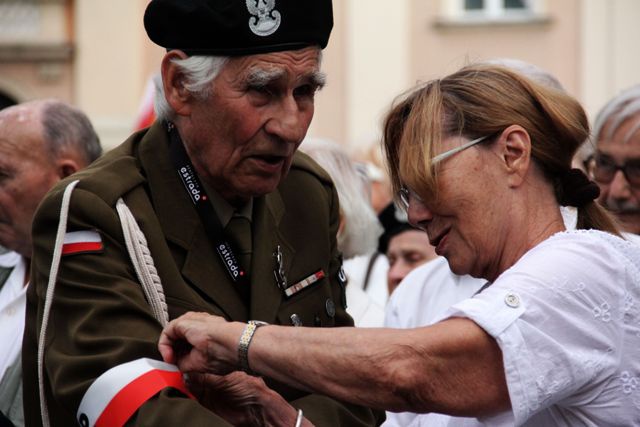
x=82 y=242
x=307 y=281
x=278 y=272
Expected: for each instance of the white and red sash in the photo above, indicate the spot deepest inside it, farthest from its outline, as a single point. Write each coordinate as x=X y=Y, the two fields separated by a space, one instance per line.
x=118 y=393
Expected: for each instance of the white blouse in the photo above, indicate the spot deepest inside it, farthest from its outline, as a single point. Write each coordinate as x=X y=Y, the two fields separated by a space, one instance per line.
x=567 y=319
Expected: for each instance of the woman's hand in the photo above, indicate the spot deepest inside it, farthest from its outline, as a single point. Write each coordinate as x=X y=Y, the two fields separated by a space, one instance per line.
x=201 y=343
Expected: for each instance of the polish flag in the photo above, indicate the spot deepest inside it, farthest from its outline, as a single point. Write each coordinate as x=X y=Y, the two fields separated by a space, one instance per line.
x=85 y=241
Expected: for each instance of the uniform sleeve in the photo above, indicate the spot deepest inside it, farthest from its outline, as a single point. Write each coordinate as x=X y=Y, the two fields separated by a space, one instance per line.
x=556 y=324
x=99 y=319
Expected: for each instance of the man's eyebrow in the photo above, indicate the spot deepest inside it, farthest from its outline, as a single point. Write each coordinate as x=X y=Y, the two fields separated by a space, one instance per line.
x=318 y=79
x=261 y=77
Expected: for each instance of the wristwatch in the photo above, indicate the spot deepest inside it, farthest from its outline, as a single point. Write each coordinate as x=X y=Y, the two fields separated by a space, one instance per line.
x=243 y=344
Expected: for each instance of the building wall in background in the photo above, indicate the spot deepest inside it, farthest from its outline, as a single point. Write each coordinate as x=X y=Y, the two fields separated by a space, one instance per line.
x=609 y=61
x=36 y=50
x=96 y=55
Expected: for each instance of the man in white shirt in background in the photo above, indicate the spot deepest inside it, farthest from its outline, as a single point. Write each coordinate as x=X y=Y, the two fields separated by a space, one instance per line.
x=41 y=142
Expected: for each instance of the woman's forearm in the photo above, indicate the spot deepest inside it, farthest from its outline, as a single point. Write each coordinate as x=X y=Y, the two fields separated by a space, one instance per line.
x=452 y=367
x=419 y=370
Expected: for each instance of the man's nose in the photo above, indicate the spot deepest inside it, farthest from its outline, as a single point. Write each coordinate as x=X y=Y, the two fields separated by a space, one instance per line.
x=290 y=120
x=397 y=271
x=619 y=188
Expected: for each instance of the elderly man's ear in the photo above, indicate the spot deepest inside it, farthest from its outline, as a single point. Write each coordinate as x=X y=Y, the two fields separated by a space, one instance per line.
x=515 y=151
x=67 y=166
x=177 y=95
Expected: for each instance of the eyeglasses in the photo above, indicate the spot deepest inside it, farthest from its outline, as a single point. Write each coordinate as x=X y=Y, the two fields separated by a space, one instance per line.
x=440 y=157
x=604 y=168
x=407 y=195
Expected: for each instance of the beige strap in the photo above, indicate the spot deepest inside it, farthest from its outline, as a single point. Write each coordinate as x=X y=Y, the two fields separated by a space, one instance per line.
x=48 y=300
x=143 y=263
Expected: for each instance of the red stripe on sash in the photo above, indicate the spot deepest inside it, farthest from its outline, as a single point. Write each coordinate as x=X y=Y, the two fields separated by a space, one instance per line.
x=136 y=393
x=74 y=248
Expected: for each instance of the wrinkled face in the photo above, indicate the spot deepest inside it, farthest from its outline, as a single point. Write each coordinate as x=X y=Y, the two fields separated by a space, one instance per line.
x=467 y=222
x=26 y=174
x=618 y=195
x=242 y=138
x=406 y=251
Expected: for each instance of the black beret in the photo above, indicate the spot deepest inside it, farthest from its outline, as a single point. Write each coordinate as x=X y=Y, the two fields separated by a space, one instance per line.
x=238 y=27
x=394 y=221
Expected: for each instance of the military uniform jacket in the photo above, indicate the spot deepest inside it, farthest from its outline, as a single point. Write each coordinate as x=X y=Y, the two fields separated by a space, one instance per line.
x=100 y=318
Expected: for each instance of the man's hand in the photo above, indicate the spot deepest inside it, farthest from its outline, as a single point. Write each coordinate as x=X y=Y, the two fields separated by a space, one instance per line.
x=242 y=400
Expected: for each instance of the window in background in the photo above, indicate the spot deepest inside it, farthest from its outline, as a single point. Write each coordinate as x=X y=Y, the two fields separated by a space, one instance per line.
x=19 y=19
x=490 y=11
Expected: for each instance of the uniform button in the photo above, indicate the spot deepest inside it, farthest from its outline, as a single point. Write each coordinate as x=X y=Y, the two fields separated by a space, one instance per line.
x=331 y=307
x=295 y=320
x=84 y=420
x=512 y=300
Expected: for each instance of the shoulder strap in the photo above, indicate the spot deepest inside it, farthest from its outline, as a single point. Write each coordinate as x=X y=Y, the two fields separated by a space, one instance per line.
x=48 y=300
x=143 y=263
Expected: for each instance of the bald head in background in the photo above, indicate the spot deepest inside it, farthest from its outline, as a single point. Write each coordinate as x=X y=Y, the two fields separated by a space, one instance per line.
x=41 y=142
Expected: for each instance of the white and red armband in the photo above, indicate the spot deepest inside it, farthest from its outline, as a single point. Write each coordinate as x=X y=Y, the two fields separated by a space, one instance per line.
x=118 y=393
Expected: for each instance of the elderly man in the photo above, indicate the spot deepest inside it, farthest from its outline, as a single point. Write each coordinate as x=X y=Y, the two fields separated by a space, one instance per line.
x=615 y=165
x=209 y=210
x=41 y=142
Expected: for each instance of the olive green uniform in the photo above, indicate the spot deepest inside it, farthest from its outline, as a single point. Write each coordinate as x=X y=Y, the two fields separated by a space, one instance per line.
x=100 y=318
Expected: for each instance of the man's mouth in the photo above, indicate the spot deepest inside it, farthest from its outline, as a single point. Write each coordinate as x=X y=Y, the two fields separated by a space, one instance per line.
x=270 y=159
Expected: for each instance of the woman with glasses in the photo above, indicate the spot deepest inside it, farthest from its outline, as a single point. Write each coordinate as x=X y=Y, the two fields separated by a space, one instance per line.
x=482 y=161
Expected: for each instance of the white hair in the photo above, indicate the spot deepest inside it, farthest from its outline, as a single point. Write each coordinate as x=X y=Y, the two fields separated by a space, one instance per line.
x=620 y=108
x=198 y=71
x=361 y=226
x=531 y=71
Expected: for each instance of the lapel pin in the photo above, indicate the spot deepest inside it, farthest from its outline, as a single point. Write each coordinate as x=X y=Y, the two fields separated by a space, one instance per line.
x=297 y=287
x=278 y=273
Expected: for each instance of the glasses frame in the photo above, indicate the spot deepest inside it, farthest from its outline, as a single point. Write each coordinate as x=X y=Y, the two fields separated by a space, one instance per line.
x=592 y=162
x=442 y=156
x=405 y=194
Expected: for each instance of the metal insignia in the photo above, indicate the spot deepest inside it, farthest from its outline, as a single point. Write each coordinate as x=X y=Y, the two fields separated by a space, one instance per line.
x=265 y=20
x=295 y=320
x=342 y=276
x=278 y=273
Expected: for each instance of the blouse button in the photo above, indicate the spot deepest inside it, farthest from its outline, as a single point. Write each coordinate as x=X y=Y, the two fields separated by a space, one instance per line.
x=512 y=300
